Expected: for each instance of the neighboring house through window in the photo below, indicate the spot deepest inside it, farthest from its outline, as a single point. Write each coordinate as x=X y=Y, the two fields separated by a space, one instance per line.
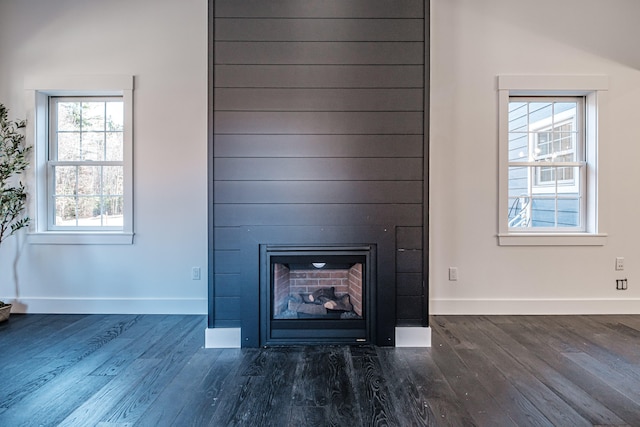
x=549 y=128
x=546 y=163
x=82 y=133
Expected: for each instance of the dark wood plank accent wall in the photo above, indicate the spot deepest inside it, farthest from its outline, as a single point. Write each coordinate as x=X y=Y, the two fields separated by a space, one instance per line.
x=318 y=120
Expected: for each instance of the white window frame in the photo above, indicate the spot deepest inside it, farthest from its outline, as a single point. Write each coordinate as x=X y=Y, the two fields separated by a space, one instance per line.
x=553 y=191
x=593 y=89
x=38 y=92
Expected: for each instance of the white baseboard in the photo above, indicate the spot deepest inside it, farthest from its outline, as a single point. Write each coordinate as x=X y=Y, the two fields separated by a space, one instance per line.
x=534 y=306
x=231 y=337
x=222 y=338
x=413 y=337
x=109 y=305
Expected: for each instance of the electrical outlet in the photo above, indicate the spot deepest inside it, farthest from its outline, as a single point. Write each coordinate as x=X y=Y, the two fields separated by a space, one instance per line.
x=453 y=274
x=619 y=263
x=621 y=284
x=195 y=273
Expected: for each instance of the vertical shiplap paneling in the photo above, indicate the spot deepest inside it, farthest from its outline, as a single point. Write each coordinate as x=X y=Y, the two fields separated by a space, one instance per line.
x=318 y=120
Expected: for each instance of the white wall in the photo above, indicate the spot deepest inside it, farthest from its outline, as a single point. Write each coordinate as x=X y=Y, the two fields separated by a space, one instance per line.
x=473 y=42
x=163 y=43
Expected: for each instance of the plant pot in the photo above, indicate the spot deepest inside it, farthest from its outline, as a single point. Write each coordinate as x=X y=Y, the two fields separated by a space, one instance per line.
x=5 y=311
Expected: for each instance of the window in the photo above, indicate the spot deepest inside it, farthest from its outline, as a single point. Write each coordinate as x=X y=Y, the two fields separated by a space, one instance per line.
x=86 y=168
x=548 y=160
x=81 y=132
x=546 y=163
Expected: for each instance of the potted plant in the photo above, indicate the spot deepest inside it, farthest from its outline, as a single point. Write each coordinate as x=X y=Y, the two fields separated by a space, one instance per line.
x=13 y=196
x=5 y=310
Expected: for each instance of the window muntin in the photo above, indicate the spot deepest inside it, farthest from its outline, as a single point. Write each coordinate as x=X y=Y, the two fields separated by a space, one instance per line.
x=547 y=164
x=85 y=163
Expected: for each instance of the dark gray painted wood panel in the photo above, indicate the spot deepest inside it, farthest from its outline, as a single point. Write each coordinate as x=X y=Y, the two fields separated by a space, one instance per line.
x=325 y=76
x=230 y=238
x=321 y=122
x=227 y=261
x=318 y=115
x=228 y=285
x=312 y=30
x=222 y=323
x=409 y=261
x=318 y=169
x=227 y=308
x=409 y=237
x=320 y=9
x=278 y=99
x=319 y=146
x=409 y=284
x=287 y=192
x=227 y=237
x=325 y=214
x=409 y=308
x=319 y=53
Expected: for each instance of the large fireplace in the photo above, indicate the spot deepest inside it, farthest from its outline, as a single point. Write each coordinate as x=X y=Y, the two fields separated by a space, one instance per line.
x=317 y=153
x=317 y=294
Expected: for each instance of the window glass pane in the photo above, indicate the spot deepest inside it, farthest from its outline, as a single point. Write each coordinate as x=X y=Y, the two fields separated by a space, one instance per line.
x=518 y=147
x=65 y=211
x=518 y=116
x=115 y=115
x=69 y=116
x=113 y=211
x=518 y=215
x=115 y=144
x=543 y=211
x=68 y=146
x=89 y=180
x=65 y=180
x=539 y=111
x=563 y=176
x=544 y=178
x=560 y=107
x=546 y=175
x=569 y=212
x=563 y=141
x=89 y=211
x=543 y=145
x=93 y=116
x=518 y=181
x=92 y=146
x=113 y=180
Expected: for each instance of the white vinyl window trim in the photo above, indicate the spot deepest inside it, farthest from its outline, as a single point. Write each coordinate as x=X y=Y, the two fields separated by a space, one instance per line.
x=39 y=90
x=593 y=89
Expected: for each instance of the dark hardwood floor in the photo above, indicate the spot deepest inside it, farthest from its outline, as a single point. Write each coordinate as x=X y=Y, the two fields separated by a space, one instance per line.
x=150 y=370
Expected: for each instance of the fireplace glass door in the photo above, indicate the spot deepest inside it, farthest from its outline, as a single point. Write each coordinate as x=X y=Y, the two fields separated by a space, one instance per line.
x=318 y=296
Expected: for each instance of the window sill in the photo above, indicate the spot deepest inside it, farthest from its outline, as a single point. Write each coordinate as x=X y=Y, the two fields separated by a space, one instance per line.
x=80 y=238
x=546 y=239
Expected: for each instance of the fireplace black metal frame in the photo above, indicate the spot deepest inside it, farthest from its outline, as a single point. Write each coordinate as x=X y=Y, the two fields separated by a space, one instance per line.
x=382 y=329
x=316 y=331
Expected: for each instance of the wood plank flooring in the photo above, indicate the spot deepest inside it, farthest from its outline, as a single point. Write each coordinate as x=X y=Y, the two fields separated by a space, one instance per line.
x=152 y=370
